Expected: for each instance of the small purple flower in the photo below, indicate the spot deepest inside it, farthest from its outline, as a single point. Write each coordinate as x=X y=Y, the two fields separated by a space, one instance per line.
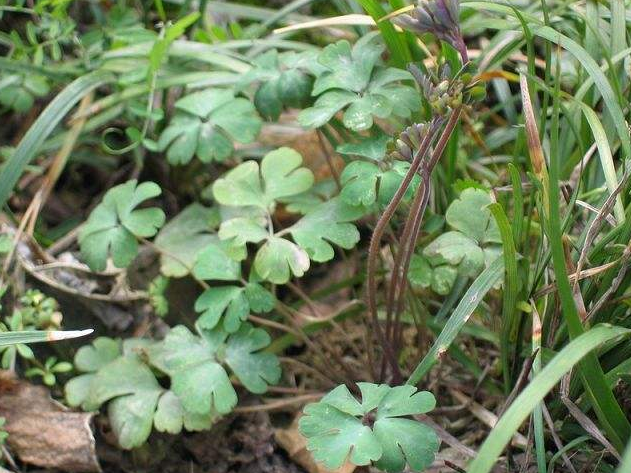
x=439 y=17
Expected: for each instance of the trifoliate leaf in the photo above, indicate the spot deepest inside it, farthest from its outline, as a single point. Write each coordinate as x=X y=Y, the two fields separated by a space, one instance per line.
x=126 y=382
x=443 y=279
x=373 y=430
x=256 y=370
x=457 y=250
x=170 y=416
x=373 y=147
x=469 y=248
x=278 y=259
x=113 y=226
x=469 y=215
x=197 y=378
x=329 y=222
x=280 y=175
x=215 y=301
x=345 y=67
x=233 y=302
x=283 y=80
x=182 y=238
x=216 y=262
x=206 y=124
x=352 y=77
x=364 y=183
x=194 y=364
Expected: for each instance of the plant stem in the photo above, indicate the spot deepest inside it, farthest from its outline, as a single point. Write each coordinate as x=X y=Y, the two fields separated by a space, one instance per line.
x=375 y=241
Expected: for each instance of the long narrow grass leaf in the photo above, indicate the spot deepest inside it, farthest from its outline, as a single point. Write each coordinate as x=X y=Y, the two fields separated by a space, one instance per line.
x=44 y=125
x=37 y=336
x=472 y=298
x=523 y=405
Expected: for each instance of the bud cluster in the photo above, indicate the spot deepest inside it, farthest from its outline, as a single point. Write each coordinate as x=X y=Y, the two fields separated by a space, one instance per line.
x=439 y=17
x=409 y=141
x=445 y=93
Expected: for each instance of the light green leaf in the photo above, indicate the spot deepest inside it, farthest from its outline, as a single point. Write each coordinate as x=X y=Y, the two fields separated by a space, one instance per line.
x=280 y=175
x=215 y=262
x=329 y=222
x=113 y=226
x=420 y=272
x=253 y=368
x=373 y=147
x=347 y=68
x=458 y=250
x=325 y=107
x=206 y=124
x=339 y=427
x=170 y=416
x=469 y=214
x=197 y=378
x=215 y=301
x=278 y=259
x=182 y=238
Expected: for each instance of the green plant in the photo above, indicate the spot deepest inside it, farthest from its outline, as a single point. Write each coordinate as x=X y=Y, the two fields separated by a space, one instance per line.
x=284 y=80
x=473 y=244
x=115 y=224
x=122 y=375
x=373 y=431
x=352 y=77
x=424 y=224
x=205 y=125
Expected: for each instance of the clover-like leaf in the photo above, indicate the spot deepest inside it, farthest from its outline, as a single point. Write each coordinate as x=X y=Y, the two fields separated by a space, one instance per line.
x=328 y=222
x=18 y=91
x=114 y=225
x=469 y=248
x=456 y=249
x=133 y=397
x=278 y=259
x=469 y=214
x=373 y=147
x=283 y=81
x=347 y=67
x=352 y=78
x=279 y=175
x=195 y=365
x=216 y=262
x=234 y=303
x=365 y=183
x=375 y=430
x=183 y=237
x=206 y=124
x=197 y=378
x=255 y=369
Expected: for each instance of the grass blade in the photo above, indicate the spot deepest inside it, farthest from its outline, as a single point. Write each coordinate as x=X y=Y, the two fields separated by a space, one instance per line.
x=534 y=393
x=36 y=336
x=509 y=344
x=605 y=404
x=482 y=284
x=396 y=45
x=44 y=125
